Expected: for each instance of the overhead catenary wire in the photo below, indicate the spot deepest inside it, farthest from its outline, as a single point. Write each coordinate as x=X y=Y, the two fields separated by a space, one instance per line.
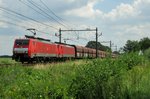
x=22 y=26
x=35 y=5
x=6 y=9
x=48 y=9
x=11 y=11
x=61 y=19
x=41 y=9
x=34 y=9
x=13 y=19
x=7 y=22
x=25 y=27
x=19 y=18
x=51 y=11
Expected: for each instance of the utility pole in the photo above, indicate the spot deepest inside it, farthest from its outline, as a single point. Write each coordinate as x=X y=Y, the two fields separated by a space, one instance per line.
x=60 y=35
x=96 y=43
x=110 y=44
x=82 y=30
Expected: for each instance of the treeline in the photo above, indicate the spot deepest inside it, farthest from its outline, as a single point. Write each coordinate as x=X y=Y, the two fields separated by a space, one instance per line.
x=142 y=47
x=134 y=46
x=131 y=46
x=5 y=56
x=92 y=44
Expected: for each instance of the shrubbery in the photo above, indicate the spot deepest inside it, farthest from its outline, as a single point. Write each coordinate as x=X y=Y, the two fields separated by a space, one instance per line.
x=102 y=79
x=147 y=53
x=93 y=79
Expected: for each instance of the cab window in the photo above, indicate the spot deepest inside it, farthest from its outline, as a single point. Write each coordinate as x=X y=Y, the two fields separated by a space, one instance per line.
x=22 y=42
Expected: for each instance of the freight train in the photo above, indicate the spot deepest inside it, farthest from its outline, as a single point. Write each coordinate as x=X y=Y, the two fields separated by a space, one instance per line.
x=32 y=48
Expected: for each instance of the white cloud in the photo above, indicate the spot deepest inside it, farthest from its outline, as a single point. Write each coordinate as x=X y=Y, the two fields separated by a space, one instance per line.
x=70 y=1
x=6 y=44
x=138 y=3
x=121 y=11
x=131 y=32
x=86 y=11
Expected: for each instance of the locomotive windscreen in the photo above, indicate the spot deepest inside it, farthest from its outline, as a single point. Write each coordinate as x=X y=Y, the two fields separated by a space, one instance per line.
x=22 y=42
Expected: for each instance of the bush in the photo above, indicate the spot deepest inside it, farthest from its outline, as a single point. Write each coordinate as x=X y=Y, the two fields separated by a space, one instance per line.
x=102 y=79
x=147 y=53
x=91 y=79
x=131 y=59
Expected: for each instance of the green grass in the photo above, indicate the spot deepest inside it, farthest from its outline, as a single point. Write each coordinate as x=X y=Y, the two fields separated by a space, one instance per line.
x=125 y=77
x=137 y=82
x=6 y=61
x=40 y=80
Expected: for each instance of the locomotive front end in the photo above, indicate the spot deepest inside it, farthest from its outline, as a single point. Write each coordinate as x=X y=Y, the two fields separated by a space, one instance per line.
x=21 y=49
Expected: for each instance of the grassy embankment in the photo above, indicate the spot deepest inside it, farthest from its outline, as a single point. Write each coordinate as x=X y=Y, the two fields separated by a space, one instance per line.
x=125 y=77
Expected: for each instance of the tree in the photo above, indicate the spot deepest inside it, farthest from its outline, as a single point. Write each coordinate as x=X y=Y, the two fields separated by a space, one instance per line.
x=131 y=46
x=144 y=43
x=92 y=44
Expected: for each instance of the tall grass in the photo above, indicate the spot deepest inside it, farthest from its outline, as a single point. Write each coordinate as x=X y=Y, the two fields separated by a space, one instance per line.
x=122 y=78
x=104 y=79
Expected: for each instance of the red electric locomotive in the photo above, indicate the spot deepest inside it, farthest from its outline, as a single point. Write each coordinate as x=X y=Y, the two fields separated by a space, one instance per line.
x=38 y=49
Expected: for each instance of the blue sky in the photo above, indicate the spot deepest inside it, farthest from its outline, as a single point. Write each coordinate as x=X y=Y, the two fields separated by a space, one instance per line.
x=118 y=20
x=108 y=5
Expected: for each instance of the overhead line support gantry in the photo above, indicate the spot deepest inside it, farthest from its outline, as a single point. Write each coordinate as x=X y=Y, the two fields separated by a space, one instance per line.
x=96 y=30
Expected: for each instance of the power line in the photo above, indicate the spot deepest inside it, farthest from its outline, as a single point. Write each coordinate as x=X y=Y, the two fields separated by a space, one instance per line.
x=96 y=30
x=33 y=8
x=26 y=17
x=20 y=25
x=35 y=5
x=73 y=40
x=13 y=24
x=8 y=10
x=19 y=17
x=24 y=27
x=13 y=19
x=39 y=7
x=48 y=9
x=6 y=16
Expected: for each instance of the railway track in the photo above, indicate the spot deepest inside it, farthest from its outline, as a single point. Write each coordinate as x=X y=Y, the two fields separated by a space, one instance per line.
x=3 y=64
x=33 y=64
x=27 y=64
